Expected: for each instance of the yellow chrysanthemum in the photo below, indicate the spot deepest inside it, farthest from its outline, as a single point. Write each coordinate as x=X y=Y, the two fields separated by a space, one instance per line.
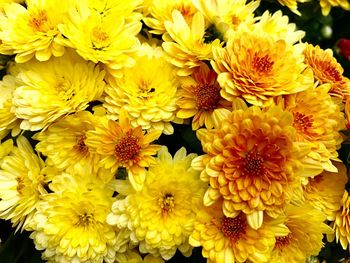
x=4 y=2
x=22 y=183
x=149 y=97
x=258 y=68
x=32 y=31
x=226 y=239
x=161 y=216
x=50 y=90
x=70 y=223
x=120 y=145
x=200 y=98
x=318 y=119
x=341 y=225
x=104 y=31
x=224 y=15
x=64 y=142
x=325 y=191
x=161 y=11
x=8 y=120
x=253 y=162
x=306 y=227
x=185 y=45
x=131 y=256
x=277 y=26
x=292 y=5
x=326 y=5
x=326 y=69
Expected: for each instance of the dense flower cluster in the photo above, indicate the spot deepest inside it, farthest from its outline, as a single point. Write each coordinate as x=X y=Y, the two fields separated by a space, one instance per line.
x=96 y=88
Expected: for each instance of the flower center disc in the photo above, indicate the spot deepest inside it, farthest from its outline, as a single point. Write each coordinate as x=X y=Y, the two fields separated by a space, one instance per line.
x=127 y=148
x=262 y=64
x=208 y=96
x=253 y=164
x=233 y=228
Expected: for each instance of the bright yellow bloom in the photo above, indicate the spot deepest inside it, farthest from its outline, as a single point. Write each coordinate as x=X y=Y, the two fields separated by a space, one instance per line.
x=325 y=191
x=186 y=46
x=4 y=2
x=341 y=225
x=257 y=67
x=120 y=145
x=253 y=162
x=32 y=31
x=200 y=98
x=22 y=183
x=318 y=119
x=131 y=256
x=326 y=69
x=64 y=142
x=161 y=216
x=306 y=228
x=277 y=25
x=224 y=15
x=148 y=96
x=326 y=5
x=104 y=31
x=70 y=223
x=226 y=239
x=50 y=90
x=161 y=11
x=292 y=5
x=8 y=120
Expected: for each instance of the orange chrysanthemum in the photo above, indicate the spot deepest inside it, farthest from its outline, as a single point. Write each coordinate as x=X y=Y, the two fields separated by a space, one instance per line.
x=327 y=70
x=257 y=67
x=252 y=161
x=123 y=146
x=201 y=99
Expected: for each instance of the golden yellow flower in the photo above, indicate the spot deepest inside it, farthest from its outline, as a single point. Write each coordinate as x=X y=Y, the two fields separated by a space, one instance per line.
x=8 y=119
x=161 y=216
x=161 y=11
x=4 y=2
x=185 y=45
x=318 y=119
x=325 y=191
x=326 y=5
x=326 y=69
x=148 y=96
x=226 y=239
x=341 y=225
x=64 y=142
x=257 y=67
x=131 y=256
x=70 y=223
x=200 y=98
x=32 y=31
x=277 y=25
x=50 y=90
x=104 y=31
x=22 y=182
x=306 y=226
x=253 y=162
x=120 y=145
x=224 y=15
x=292 y=5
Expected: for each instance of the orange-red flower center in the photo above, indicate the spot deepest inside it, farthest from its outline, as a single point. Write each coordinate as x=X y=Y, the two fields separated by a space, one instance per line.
x=332 y=72
x=80 y=146
x=38 y=21
x=127 y=148
x=262 y=64
x=253 y=164
x=282 y=242
x=233 y=228
x=166 y=203
x=207 y=96
x=302 y=122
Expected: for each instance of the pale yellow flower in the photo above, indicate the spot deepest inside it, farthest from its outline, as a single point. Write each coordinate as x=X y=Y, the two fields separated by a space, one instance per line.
x=326 y=5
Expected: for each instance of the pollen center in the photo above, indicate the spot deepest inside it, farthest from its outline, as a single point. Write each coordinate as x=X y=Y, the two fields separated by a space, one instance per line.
x=262 y=64
x=253 y=164
x=81 y=146
x=332 y=72
x=38 y=21
x=302 y=122
x=166 y=203
x=282 y=242
x=127 y=148
x=84 y=219
x=207 y=96
x=233 y=228
x=99 y=38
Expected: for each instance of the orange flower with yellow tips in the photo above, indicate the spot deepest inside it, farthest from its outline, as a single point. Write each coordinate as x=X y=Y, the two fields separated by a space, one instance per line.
x=201 y=99
x=123 y=146
x=253 y=162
